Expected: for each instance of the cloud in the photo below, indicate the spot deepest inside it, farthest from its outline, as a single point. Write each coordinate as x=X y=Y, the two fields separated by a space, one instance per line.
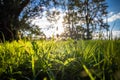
x=112 y=16
x=111 y=13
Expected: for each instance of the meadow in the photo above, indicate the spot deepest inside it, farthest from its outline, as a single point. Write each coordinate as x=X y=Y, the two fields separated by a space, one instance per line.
x=60 y=60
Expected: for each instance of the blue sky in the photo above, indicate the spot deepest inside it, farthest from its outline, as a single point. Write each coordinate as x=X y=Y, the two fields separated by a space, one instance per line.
x=114 y=5
x=114 y=13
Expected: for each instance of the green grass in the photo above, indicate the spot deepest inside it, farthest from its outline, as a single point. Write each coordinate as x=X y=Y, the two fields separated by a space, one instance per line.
x=60 y=60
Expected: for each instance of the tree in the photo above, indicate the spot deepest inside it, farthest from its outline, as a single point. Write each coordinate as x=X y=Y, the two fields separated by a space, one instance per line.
x=9 y=17
x=14 y=12
x=94 y=12
x=70 y=19
x=89 y=14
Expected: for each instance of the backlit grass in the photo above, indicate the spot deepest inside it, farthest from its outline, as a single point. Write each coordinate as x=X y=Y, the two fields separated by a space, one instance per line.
x=60 y=60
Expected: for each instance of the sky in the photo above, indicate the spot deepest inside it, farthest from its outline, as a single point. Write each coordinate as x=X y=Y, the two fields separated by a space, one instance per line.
x=113 y=19
x=114 y=14
x=46 y=25
x=114 y=5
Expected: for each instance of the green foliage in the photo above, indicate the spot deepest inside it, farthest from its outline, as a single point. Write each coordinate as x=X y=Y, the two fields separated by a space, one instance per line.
x=83 y=17
x=63 y=60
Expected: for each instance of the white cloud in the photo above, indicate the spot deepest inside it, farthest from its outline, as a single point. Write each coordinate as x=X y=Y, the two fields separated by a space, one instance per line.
x=113 y=16
x=110 y=14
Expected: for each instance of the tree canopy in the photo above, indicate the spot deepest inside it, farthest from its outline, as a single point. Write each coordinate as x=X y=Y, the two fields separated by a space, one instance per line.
x=88 y=14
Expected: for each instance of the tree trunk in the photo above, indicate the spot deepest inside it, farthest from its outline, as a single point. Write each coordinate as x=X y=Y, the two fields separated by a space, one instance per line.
x=87 y=22
x=6 y=34
x=9 y=13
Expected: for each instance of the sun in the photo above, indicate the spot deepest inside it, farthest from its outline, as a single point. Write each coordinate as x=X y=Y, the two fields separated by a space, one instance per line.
x=43 y=23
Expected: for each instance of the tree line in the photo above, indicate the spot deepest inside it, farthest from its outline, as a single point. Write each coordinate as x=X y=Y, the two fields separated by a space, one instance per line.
x=81 y=18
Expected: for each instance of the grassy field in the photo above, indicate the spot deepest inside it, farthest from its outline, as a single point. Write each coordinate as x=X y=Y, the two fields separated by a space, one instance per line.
x=60 y=60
